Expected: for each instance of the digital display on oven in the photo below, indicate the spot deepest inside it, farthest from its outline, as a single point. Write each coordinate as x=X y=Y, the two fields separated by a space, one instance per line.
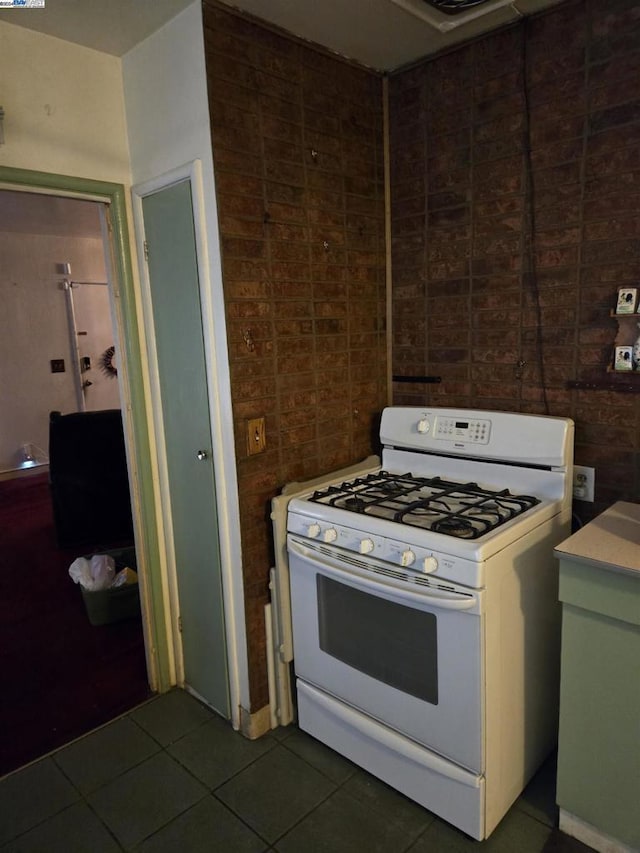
x=474 y=431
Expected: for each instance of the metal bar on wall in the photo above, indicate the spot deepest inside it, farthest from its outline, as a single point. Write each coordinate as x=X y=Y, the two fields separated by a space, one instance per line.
x=73 y=335
x=425 y=380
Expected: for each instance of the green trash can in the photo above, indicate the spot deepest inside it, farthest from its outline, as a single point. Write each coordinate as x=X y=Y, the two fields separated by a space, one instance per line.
x=107 y=606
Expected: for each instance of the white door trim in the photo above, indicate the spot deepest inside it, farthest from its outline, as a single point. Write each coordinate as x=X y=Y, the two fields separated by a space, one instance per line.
x=219 y=388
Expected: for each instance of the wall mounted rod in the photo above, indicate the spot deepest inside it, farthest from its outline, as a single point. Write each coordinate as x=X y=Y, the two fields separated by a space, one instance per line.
x=426 y=380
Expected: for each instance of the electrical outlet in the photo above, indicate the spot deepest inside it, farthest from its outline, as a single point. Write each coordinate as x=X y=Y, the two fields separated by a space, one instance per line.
x=584 y=483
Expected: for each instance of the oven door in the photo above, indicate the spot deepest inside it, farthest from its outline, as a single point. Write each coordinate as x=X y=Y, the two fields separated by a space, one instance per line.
x=408 y=655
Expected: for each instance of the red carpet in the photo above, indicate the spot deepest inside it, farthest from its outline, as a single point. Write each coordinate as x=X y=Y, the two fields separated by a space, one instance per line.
x=61 y=676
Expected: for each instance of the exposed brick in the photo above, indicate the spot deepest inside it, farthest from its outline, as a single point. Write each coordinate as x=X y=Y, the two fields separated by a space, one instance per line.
x=315 y=313
x=240 y=205
x=496 y=149
x=278 y=150
x=613 y=229
x=254 y=290
x=617 y=250
x=498 y=128
x=612 y=140
x=611 y=206
x=559 y=257
x=615 y=116
x=624 y=182
x=558 y=153
x=584 y=131
x=560 y=64
x=548 y=130
x=244 y=269
x=565 y=213
x=241 y=227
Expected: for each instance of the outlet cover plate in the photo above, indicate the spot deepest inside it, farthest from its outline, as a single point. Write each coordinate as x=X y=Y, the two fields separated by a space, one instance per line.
x=584 y=483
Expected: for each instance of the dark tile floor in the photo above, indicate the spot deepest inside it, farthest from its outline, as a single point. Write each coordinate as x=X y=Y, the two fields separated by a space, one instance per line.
x=172 y=776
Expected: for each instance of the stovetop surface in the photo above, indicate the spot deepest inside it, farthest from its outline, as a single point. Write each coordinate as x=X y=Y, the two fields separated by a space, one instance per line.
x=464 y=510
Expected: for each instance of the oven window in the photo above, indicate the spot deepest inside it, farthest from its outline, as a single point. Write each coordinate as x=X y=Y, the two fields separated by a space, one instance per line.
x=390 y=642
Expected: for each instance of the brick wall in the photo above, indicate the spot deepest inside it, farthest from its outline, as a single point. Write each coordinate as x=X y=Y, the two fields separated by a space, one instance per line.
x=482 y=280
x=297 y=143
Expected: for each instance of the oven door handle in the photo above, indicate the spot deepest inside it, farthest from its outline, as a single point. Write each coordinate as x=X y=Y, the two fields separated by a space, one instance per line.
x=435 y=598
x=383 y=735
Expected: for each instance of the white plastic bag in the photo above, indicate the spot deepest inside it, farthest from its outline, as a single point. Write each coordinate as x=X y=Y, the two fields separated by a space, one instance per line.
x=94 y=574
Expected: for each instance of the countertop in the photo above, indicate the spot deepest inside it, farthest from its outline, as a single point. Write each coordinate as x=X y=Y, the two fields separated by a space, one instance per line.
x=611 y=541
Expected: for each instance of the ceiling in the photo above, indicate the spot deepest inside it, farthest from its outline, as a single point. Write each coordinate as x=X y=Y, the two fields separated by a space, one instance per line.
x=381 y=34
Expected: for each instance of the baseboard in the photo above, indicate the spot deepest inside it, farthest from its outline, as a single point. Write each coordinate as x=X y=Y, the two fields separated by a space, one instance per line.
x=257 y=724
x=590 y=835
x=18 y=473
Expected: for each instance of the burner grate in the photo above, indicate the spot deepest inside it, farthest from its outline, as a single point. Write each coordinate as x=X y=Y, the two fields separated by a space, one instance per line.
x=464 y=510
x=454 y=7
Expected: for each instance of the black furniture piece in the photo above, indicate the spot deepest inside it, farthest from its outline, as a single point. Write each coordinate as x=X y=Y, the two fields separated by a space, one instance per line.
x=89 y=480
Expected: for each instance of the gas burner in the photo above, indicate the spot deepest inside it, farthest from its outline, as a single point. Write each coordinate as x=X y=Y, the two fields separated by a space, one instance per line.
x=465 y=510
x=355 y=504
x=460 y=527
x=389 y=487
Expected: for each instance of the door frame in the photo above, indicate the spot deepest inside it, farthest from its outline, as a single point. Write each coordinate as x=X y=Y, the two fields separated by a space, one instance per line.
x=223 y=446
x=133 y=386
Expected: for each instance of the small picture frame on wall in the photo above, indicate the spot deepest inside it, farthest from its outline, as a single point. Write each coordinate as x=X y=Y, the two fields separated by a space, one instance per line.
x=627 y=300
x=623 y=358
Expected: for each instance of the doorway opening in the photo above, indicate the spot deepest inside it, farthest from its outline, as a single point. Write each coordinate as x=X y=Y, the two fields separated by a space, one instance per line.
x=57 y=321
x=63 y=675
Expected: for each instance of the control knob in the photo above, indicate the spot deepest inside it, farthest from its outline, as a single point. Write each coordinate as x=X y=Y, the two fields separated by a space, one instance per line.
x=423 y=426
x=430 y=564
x=330 y=535
x=407 y=558
x=313 y=531
x=366 y=546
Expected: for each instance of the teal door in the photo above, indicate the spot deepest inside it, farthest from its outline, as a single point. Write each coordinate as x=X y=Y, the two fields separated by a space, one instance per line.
x=175 y=297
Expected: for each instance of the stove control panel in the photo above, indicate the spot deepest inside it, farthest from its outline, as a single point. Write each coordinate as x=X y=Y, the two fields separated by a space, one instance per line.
x=403 y=554
x=474 y=431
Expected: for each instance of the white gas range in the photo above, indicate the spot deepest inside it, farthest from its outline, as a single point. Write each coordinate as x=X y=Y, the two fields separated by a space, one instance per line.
x=423 y=600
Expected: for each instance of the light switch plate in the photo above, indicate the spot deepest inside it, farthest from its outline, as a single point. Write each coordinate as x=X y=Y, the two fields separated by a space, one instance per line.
x=256 y=436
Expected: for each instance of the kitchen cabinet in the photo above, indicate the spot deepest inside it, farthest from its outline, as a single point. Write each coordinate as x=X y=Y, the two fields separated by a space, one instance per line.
x=599 y=740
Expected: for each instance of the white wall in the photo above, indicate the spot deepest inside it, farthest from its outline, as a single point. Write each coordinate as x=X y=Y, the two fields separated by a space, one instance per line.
x=64 y=114
x=168 y=124
x=95 y=335
x=33 y=330
x=64 y=107
x=167 y=111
